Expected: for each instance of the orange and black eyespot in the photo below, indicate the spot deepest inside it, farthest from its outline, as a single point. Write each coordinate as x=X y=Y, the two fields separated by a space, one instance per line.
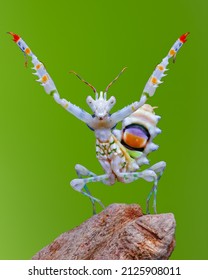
x=135 y=137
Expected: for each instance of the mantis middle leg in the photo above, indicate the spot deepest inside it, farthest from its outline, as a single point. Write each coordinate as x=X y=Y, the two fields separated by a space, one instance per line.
x=82 y=171
x=80 y=184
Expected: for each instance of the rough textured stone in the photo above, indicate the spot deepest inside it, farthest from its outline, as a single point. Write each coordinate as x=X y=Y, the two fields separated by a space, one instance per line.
x=120 y=232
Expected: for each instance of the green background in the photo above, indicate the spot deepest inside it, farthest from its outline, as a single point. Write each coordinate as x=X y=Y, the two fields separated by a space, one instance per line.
x=40 y=142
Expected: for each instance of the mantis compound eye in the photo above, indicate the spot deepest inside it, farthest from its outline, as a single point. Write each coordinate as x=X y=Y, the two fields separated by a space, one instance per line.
x=89 y=100
x=135 y=137
x=112 y=100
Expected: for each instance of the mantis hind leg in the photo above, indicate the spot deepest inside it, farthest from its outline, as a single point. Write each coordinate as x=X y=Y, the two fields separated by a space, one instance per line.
x=80 y=184
x=158 y=168
x=151 y=174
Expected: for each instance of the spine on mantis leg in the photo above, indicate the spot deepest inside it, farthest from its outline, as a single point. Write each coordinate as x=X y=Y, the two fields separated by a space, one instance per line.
x=158 y=73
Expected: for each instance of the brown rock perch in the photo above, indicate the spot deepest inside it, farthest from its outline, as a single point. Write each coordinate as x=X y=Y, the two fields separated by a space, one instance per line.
x=120 y=232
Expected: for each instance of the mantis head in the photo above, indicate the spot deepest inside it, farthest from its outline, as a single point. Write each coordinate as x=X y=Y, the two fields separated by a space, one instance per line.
x=100 y=106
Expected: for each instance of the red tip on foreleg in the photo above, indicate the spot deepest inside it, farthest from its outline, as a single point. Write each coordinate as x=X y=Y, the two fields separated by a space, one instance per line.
x=183 y=37
x=15 y=36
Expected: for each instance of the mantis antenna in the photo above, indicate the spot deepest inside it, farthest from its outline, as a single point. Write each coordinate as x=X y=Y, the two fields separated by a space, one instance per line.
x=78 y=76
x=116 y=78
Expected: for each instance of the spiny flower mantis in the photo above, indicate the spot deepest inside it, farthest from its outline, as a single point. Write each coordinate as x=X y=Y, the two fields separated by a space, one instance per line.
x=120 y=152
